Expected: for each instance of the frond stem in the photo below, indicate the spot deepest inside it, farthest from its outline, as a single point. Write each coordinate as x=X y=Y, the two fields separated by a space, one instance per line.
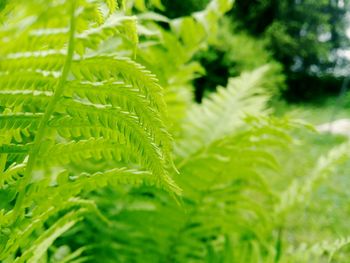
x=42 y=128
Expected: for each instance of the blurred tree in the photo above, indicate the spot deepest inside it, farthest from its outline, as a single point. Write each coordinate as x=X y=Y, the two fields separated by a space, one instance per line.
x=306 y=36
x=175 y=9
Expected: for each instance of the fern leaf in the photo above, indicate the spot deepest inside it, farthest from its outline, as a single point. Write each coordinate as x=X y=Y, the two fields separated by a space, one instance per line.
x=12 y=174
x=107 y=67
x=14 y=148
x=76 y=152
x=20 y=121
x=222 y=112
x=298 y=191
x=138 y=104
x=113 y=26
x=59 y=110
x=34 y=81
x=117 y=176
x=22 y=98
x=39 y=247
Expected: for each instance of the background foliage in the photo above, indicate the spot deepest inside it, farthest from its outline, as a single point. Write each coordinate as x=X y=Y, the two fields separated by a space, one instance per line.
x=308 y=38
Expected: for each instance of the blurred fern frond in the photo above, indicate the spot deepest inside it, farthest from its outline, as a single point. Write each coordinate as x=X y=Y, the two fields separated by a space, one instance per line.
x=299 y=190
x=223 y=111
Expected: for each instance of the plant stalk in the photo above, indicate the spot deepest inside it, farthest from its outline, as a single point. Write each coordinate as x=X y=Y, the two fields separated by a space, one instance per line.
x=42 y=128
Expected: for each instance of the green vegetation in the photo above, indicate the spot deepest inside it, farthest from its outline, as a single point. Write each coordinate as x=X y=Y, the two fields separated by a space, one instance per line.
x=105 y=156
x=308 y=38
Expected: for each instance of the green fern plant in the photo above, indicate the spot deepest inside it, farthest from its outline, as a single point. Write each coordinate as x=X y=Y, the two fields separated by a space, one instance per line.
x=72 y=117
x=230 y=211
x=223 y=215
x=86 y=156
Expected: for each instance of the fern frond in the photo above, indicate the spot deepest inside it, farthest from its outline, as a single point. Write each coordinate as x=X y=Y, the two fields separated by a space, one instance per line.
x=114 y=26
x=14 y=148
x=76 y=152
x=299 y=191
x=23 y=120
x=129 y=124
x=222 y=183
x=128 y=99
x=86 y=182
x=27 y=80
x=47 y=30
x=106 y=67
x=59 y=110
x=222 y=112
x=19 y=235
x=133 y=110
x=50 y=60
x=316 y=252
x=72 y=129
x=212 y=13
x=65 y=187
x=18 y=126
x=22 y=98
x=12 y=174
x=39 y=247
